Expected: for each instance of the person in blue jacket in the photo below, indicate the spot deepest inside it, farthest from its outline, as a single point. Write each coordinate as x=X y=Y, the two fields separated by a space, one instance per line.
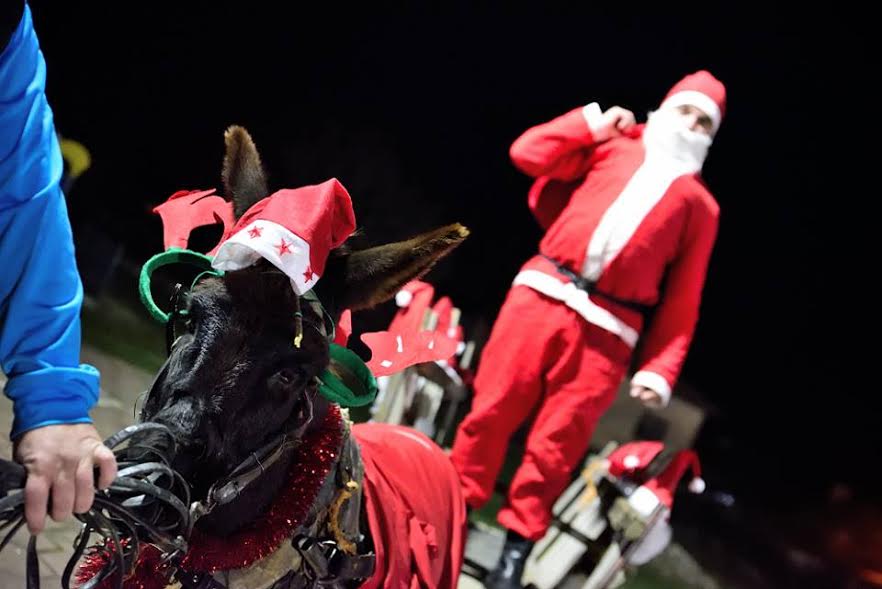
x=41 y=293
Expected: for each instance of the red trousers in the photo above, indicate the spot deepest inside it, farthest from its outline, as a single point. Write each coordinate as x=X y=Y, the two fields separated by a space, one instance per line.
x=541 y=359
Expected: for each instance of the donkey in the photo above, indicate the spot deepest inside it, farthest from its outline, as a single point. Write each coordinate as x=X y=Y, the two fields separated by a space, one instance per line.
x=290 y=493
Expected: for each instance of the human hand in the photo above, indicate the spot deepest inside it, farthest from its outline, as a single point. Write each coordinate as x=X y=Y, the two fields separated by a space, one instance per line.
x=59 y=460
x=618 y=120
x=647 y=396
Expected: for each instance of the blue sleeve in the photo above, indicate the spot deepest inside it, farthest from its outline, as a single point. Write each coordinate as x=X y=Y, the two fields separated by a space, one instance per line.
x=40 y=289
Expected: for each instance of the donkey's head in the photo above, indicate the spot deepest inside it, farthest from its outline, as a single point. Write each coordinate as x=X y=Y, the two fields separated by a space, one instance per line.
x=235 y=380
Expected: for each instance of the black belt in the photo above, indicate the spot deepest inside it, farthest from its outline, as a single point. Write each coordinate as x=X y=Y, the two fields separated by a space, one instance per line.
x=590 y=287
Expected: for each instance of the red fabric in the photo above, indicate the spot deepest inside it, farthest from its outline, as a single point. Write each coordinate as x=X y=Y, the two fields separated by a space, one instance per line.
x=392 y=352
x=343 y=329
x=409 y=318
x=406 y=342
x=415 y=508
x=548 y=198
x=674 y=240
x=702 y=81
x=321 y=215
x=643 y=452
x=186 y=210
x=540 y=360
x=443 y=308
x=665 y=484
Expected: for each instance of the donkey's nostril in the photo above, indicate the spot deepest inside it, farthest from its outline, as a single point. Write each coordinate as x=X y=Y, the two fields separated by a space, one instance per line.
x=180 y=394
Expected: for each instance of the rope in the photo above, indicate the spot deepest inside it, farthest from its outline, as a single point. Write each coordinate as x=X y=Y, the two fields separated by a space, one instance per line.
x=334 y=518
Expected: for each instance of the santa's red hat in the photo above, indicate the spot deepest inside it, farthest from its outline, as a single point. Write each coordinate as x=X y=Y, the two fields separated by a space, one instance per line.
x=294 y=229
x=702 y=90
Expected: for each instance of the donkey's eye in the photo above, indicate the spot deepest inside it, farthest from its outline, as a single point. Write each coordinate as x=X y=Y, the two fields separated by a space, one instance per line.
x=287 y=376
x=287 y=379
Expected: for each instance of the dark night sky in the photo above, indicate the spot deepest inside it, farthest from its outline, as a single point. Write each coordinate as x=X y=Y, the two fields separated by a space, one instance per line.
x=414 y=113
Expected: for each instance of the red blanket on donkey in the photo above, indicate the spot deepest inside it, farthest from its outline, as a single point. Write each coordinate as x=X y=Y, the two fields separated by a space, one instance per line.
x=415 y=508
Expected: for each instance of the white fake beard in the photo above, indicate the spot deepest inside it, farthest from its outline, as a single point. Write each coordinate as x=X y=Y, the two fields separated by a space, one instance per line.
x=666 y=134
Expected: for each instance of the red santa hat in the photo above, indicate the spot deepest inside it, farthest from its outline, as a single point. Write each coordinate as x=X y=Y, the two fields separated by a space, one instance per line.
x=632 y=457
x=665 y=484
x=294 y=229
x=702 y=90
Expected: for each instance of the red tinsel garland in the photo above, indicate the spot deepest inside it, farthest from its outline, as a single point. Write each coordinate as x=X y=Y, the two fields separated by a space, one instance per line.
x=313 y=460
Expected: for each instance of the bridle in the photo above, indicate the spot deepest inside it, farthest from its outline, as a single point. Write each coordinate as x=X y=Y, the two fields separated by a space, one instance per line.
x=347 y=381
x=250 y=470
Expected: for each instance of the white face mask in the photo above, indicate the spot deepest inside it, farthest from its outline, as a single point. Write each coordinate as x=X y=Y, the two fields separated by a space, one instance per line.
x=666 y=134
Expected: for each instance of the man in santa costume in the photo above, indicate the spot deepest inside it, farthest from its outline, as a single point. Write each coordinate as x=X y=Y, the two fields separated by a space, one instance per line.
x=630 y=228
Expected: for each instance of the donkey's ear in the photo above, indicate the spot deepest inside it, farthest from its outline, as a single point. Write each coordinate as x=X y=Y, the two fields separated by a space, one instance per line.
x=365 y=278
x=243 y=176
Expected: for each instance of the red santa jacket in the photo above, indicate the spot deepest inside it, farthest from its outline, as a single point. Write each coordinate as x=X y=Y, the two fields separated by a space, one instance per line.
x=635 y=219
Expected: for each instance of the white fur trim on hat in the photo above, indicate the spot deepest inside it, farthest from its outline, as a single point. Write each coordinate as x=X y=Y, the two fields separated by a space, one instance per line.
x=697 y=485
x=698 y=100
x=403 y=298
x=273 y=242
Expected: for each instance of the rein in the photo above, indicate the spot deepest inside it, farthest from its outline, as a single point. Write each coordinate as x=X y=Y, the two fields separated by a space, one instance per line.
x=229 y=488
x=145 y=505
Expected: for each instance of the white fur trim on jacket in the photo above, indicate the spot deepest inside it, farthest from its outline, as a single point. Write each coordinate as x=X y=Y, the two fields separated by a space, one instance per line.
x=656 y=382
x=594 y=118
x=577 y=299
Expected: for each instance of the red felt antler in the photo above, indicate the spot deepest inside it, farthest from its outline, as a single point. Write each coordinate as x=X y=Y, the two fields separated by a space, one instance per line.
x=186 y=210
x=392 y=352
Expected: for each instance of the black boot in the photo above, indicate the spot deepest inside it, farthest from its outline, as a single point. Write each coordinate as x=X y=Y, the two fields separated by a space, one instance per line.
x=510 y=568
